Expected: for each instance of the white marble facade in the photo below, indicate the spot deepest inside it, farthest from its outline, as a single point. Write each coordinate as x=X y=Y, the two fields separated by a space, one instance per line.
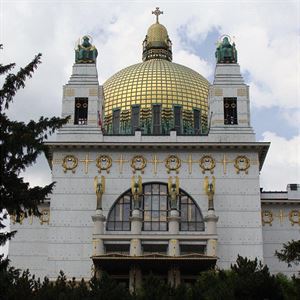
x=66 y=242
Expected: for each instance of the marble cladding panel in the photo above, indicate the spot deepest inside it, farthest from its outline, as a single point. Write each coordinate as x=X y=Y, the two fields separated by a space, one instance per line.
x=38 y=248
x=30 y=234
x=241 y=236
x=70 y=234
x=239 y=219
x=74 y=218
x=66 y=251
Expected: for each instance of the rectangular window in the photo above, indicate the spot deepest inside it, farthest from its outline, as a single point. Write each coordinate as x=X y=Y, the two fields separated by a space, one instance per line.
x=230 y=111
x=116 y=121
x=156 y=119
x=81 y=111
x=177 y=119
x=197 y=125
x=135 y=116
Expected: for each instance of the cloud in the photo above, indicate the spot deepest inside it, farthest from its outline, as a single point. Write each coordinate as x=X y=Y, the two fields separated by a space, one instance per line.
x=266 y=36
x=282 y=165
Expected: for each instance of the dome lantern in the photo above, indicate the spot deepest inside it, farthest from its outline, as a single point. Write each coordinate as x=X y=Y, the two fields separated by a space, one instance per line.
x=157 y=43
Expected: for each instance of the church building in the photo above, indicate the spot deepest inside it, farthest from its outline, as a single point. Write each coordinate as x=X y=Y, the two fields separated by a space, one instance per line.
x=158 y=170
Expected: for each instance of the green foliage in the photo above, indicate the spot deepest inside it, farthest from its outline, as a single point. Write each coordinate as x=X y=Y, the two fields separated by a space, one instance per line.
x=290 y=253
x=20 y=143
x=247 y=279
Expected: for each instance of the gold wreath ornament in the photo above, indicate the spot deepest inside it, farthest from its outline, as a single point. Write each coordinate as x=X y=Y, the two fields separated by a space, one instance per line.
x=173 y=163
x=138 y=163
x=104 y=163
x=207 y=164
x=242 y=164
x=70 y=163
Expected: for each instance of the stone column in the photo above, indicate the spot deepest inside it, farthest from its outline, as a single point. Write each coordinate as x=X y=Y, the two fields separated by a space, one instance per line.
x=174 y=276
x=174 y=249
x=211 y=222
x=98 y=245
x=135 y=273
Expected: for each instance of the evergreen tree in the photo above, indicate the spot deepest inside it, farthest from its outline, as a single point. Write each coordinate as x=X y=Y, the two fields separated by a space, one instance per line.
x=290 y=253
x=20 y=143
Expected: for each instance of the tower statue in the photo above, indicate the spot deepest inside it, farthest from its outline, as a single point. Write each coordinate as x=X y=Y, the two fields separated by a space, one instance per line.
x=226 y=52
x=136 y=190
x=209 y=188
x=173 y=189
x=99 y=190
x=85 y=53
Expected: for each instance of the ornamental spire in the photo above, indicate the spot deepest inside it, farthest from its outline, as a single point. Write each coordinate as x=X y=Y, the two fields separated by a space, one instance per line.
x=157 y=12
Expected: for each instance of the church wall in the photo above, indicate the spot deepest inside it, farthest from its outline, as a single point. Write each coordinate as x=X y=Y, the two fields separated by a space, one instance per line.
x=237 y=202
x=279 y=228
x=28 y=249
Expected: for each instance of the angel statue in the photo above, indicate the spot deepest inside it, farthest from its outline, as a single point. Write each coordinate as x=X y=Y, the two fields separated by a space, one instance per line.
x=136 y=190
x=99 y=190
x=209 y=188
x=173 y=189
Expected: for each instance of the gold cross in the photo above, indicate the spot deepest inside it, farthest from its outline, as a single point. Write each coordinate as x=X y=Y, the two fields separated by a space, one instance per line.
x=225 y=162
x=55 y=161
x=281 y=216
x=157 y=12
x=121 y=161
x=155 y=161
x=190 y=162
x=86 y=161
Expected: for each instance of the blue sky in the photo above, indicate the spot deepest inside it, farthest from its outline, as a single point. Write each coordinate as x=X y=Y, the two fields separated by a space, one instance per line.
x=266 y=34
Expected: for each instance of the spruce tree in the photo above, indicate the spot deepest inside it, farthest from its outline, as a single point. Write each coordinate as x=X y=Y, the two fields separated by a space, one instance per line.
x=20 y=143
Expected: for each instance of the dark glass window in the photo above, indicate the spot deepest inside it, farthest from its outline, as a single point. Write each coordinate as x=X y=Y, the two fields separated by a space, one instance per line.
x=135 y=117
x=155 y=205
x=197 y=125
x=116 y=121
x=230 y=111
x=119 y=215
x=81 y=111
x=156 y=119
x=190 y=215
x=177 y=119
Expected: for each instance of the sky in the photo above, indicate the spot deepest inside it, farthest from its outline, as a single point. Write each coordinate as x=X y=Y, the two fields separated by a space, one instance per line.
x=266 y=34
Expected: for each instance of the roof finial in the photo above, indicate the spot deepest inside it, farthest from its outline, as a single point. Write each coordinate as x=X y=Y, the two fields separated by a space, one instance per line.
x=157 y=12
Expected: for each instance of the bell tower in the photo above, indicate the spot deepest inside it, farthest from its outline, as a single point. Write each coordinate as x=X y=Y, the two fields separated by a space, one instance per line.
x=82 y=95
x=229 y=104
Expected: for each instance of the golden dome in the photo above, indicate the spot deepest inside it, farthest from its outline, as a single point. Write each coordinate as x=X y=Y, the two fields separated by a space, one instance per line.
x=157 y=33
x=156 y=81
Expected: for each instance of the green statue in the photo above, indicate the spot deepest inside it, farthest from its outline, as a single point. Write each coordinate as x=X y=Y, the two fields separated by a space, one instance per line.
x=225 y=52
x=85 y=53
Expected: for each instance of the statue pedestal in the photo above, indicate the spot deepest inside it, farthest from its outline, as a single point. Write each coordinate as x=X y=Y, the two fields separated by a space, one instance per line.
x=174 y=221
x=136 y=229
x=98 y=245
x=211 y=222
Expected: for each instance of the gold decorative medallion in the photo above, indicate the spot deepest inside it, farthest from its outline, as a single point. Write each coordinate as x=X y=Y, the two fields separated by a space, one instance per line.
x=70 y=163
x=19 y=219
x=267 y=217
x=103 y=163
x=207 y=164
x=173 y=163
x=294 y=217
x=242 y=164
x=138 y=163
x=45 y=216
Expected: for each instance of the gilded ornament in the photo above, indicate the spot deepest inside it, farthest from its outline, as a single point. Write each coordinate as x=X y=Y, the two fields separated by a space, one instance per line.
x=104 y=163
x=136 y=190
x=267 y=217
x=70 y=163
x=294 y=217
x=45 y=216
x=207 y=164
x=173 y=163
x=242 y=164
x=138 y=163
x=173 y=191
x=209 y=188
x=17 y=219
x=99 y=187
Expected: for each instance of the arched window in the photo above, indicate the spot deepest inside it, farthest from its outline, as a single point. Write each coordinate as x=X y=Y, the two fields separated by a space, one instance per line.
x=155 y=207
